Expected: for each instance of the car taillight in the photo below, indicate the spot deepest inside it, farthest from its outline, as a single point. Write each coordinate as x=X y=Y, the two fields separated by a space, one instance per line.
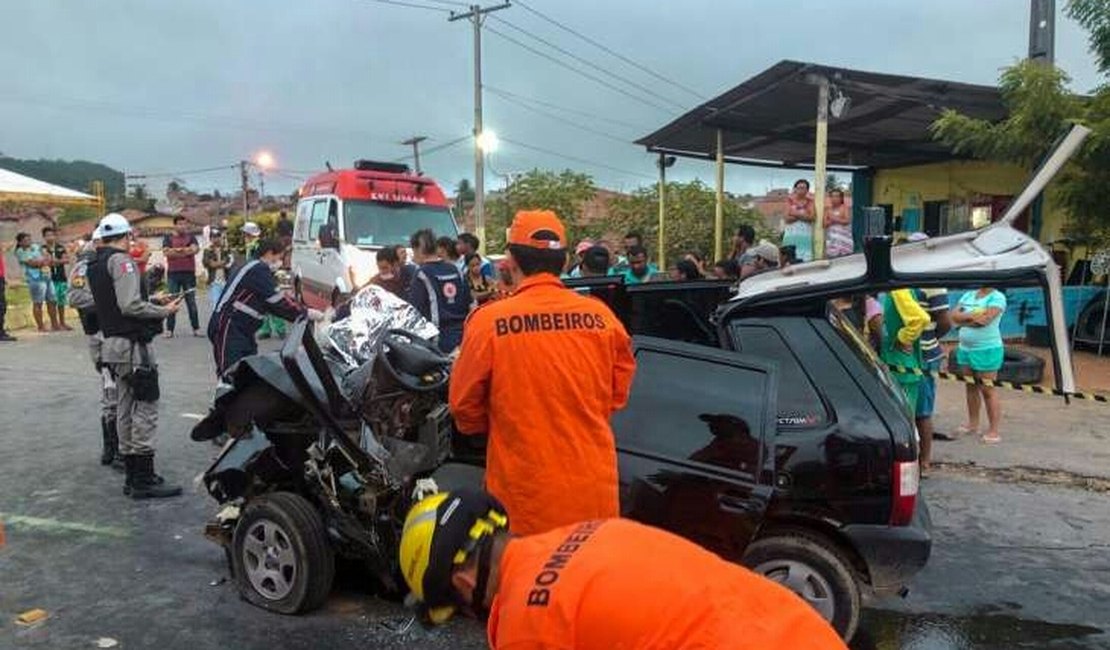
x=906 y=479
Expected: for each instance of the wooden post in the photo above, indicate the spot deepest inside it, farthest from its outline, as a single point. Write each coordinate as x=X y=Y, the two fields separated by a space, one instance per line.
x=719 y=215
x=819 y=169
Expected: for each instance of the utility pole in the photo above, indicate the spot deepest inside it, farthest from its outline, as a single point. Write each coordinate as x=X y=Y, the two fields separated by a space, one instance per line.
x=663 y=163
x=476 y=15
x=261 y=187
x=1042 y=31
x=243 y=177
x=819 y=167
x=414 y=142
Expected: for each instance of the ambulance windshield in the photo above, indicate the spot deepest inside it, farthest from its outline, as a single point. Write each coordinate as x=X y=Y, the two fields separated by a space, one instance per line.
x=373 y=223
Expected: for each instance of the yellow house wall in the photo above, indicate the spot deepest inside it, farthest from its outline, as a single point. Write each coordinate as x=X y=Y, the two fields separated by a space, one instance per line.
x=956 y=181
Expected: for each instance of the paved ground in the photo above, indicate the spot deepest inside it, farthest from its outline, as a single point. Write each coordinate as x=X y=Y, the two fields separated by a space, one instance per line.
x=1015 y=565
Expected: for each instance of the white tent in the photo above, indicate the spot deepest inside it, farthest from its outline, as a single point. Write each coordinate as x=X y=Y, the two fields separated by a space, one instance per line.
x=24 y=189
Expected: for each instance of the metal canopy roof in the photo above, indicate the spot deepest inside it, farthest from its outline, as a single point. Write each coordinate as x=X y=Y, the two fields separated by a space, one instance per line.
x=770 y=119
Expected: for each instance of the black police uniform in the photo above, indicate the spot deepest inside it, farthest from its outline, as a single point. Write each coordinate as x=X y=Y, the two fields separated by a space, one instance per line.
x=251 y=293
x=440 y=294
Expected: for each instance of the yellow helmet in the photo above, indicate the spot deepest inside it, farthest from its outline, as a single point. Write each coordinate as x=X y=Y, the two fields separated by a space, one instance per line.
x=440 y=533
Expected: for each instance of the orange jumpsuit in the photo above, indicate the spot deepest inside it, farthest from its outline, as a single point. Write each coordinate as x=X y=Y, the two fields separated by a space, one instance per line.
x=541 y=372
x=616 y=584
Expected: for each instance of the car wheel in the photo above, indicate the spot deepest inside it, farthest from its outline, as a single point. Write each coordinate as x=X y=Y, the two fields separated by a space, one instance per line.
x=281 y=557
x=815 y=570
x=1021 y=367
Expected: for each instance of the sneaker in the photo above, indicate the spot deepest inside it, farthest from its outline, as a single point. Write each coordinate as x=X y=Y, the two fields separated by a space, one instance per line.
x=7 y=338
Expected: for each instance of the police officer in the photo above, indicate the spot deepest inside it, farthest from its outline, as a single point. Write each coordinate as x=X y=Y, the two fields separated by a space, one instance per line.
x=80 y=297
x=129 y=322
x=250 y=297
x=438 y=291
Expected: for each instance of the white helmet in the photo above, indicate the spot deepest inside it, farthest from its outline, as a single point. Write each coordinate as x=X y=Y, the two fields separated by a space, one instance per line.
x=112 y=225
x=251 y=228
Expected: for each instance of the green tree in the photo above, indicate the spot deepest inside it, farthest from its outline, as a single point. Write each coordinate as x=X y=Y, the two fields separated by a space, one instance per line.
x=139 y=199
x=690 y=209
x=1040 y=108
x=74 y=214
x=564 y=192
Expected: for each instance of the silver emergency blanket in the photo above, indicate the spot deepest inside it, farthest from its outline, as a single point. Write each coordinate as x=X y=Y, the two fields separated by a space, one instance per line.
x=375 y=311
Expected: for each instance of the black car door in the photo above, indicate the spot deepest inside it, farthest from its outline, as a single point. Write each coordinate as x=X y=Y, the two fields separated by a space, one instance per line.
x=694 y=443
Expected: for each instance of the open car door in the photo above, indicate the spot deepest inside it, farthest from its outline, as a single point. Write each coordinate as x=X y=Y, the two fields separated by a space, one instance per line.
x=997 y=255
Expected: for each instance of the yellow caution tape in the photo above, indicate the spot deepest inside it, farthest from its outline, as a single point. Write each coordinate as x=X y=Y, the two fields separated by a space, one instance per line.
x=1025 y=388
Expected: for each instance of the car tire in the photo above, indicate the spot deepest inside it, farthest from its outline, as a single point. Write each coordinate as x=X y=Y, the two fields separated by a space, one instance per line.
x=1090 y=322
x=281 y=556
x=1017 y=367
x=816 y=570
x=1021 y=367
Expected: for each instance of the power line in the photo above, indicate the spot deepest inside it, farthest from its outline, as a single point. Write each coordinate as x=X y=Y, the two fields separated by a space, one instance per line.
x=609 y=50
x=413 y=5
x=564 y=120
x=576 y=159
x=533 y=100
x=187 y=172
x=591 y=64
x=449 y=2
x=440 y=147
x=159 y=114
x=575 y=70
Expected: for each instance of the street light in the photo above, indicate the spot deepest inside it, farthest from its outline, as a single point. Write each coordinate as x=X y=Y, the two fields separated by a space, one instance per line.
x=487 y=141
x=264 y=160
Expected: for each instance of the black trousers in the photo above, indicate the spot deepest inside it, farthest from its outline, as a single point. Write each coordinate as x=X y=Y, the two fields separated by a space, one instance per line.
x=3 y=303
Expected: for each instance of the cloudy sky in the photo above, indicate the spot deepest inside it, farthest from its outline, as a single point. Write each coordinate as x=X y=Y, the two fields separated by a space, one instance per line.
x=159 y=86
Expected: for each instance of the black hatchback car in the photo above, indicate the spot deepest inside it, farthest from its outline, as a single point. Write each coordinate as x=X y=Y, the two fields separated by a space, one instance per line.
x=762 y=425
x=773 y=438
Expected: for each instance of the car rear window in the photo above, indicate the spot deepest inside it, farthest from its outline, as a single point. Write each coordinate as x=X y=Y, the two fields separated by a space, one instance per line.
x=867 y=357
x=799 y=404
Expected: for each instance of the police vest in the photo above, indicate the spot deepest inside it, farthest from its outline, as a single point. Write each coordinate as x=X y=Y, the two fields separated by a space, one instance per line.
x=79 y=282
x=111 y=319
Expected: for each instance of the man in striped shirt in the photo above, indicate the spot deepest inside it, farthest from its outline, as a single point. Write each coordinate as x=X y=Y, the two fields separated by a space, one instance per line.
x=935 y=302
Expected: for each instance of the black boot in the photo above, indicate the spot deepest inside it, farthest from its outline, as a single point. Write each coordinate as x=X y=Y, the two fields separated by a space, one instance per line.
x=111 y=445
x=117 y=458
x=144 y=484
x=129 y=473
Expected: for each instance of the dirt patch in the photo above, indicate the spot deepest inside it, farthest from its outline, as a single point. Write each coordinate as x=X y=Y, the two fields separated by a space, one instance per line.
x=1033 y=475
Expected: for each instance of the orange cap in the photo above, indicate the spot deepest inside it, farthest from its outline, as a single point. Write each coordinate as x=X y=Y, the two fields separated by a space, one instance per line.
x=529 y=223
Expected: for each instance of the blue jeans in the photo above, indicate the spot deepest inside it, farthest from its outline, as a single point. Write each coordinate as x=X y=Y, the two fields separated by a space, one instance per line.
x=215 y=290
x=177 y=282
x=41 y=291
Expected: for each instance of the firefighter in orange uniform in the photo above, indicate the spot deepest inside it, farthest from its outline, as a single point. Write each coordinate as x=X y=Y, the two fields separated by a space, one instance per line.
x=594 y=585
x=541 y=372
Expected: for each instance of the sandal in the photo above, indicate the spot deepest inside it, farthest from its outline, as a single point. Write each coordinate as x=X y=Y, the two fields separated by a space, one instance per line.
x=964 y=430
x=990 y=440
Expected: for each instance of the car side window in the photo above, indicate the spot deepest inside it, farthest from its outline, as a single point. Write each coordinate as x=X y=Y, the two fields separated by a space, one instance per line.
x=799 y=405
x=318 y=219
x=697 y=410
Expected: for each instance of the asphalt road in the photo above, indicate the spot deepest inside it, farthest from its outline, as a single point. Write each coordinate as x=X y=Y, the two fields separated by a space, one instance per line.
x=1014 y=565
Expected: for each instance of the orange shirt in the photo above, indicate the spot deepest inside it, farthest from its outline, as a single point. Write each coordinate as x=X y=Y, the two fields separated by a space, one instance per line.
x=616 y=584
x=541 y=371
